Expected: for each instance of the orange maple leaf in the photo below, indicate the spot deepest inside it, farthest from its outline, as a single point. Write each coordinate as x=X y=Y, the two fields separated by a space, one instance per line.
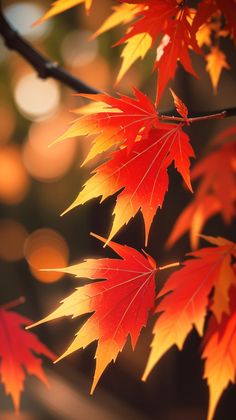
x=122 y=14
x=220 y=354
x=173 y=21
x=180 y=106
x=113 y=121
x=215 y=193
x=216 y=62
x=187 y=304
x=60 y=6
x=141 y=175
x=17 y=353
x=120 y=305
x=178 y=38
x=143 y=33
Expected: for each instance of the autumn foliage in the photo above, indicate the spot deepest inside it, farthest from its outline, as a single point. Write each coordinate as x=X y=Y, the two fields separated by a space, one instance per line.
x=136 y=145
x=19 y=353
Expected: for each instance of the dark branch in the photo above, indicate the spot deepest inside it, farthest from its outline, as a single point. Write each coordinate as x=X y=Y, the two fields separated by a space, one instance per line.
x=46 y=68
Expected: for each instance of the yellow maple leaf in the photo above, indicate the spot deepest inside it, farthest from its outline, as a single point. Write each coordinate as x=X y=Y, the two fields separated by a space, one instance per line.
x=216 y=62
x=136 y=47
x=122 y=14
x=60 y=6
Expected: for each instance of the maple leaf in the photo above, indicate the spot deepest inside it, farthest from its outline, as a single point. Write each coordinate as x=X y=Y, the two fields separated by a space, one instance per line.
x=219 y=354
x=142 y=35
x=120 y=305
x=60 y=6
x=216 y=62
x=122 y=14
x=180 y=106
x=179 y=37
x=113 y=121
x=203 y=35
x=215 y=193
x=136 y=47
x=17 y=353
x=173 y=21
x=141 y=175
x=187 y=304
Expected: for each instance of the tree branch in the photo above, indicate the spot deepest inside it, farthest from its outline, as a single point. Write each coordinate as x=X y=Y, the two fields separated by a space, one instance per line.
x=16 y=302
x=45 y=68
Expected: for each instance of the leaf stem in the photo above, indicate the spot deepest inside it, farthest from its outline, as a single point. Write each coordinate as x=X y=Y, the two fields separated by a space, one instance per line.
x=165 y=267
x=13 y=303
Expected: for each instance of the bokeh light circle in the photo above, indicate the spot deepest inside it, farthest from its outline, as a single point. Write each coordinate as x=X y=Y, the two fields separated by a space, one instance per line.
x=46 y=249
x=22 y=15
x=14 y=179
x=37 y=98
x=49 y=163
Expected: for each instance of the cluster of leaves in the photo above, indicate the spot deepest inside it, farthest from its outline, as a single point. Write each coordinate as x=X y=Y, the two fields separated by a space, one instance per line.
x=139 y=145
x=216 y=190
x=173 y=29
x=146 y=147
x=120 y=307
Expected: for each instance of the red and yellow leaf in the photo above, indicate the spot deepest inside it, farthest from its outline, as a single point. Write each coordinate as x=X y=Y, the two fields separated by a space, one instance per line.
x=122 y=14
x=17 y=353
x=174 y=48
x=120 y=304
x=220 y=354
x=136 y=47
x=114 y=121
x=187 y=304
x=215 y=193
x=143 y=33
x=180 y=106
x=170 y=19
x=60 y=6
x=141 y=175
x=207 y=8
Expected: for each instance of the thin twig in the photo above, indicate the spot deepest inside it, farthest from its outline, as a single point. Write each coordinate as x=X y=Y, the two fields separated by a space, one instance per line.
x=13 y=303
x=46 y=68
x=211 y=116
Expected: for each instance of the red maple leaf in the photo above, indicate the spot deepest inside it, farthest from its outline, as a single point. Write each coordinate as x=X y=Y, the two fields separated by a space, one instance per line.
x=178 y=38
x=171 y=19
x=113 y=121
x=215 y=193
x=17 y=353
x=220 y=354
x=120 y=305
x=141 y=175
x=187 y=304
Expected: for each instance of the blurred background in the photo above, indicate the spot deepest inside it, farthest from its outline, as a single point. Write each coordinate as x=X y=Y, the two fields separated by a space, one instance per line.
x=37 y=183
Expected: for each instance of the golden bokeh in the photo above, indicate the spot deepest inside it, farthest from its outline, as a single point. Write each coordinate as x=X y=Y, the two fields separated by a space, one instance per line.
x=49 y=163
x=14 y=179
x=46 y=249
